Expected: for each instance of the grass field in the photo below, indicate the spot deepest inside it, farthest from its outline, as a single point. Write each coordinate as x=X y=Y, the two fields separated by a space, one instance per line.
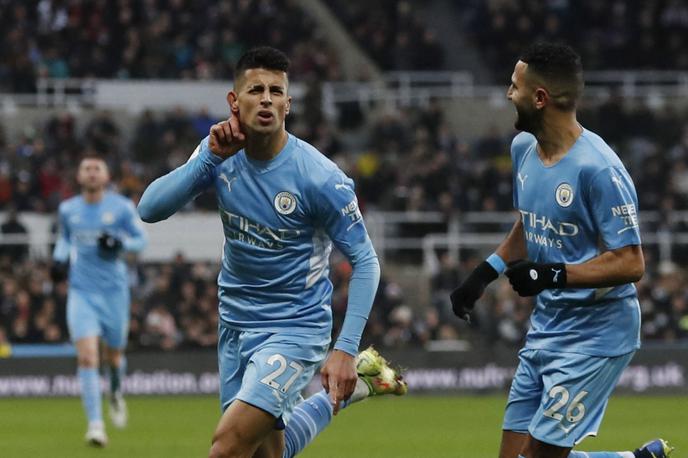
x=413 y=427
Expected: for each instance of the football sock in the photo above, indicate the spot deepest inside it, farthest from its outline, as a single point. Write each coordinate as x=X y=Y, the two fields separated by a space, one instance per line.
x=361 y=391
x=117 y=374
x=309 y=418
x=90 y=393
x=600 y=455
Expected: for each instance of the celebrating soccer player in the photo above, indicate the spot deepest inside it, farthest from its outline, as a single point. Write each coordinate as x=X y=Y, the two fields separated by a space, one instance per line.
x=576 y=246
x=282 y=204
x=96 y=227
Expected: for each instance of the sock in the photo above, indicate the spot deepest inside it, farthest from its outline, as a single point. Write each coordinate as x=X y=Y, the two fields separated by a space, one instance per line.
x=309 y=418
x=117 y=374
x=361 y=391
x=600 y=455
x=90 y=393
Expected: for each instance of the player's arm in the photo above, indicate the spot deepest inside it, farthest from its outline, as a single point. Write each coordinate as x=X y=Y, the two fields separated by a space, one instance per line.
x=613 y=207
x=136 y=238
x=611 y=268
x=58 y=271
x=342 y=219
x=166 y=195
x=513 y=247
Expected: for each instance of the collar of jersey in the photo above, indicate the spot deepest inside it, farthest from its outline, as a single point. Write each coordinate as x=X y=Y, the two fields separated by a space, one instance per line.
x=265 y=166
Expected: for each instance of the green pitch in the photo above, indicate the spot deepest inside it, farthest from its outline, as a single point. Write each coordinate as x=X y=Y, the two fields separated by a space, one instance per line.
x=413 y=427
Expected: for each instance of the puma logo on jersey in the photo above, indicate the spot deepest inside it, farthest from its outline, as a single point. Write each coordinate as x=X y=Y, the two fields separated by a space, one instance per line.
x=343 y=186
x=556 y=274
x=616 y=180
x=229 y=181
x=522 y=179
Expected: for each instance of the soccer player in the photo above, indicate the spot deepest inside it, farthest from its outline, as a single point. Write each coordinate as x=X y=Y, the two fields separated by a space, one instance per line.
x=576 y=246
x=282 y=204
x=95 y=229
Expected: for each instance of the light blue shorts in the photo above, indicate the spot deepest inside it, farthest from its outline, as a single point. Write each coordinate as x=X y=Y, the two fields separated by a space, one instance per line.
x=267 y=370
x=103 y=314
x=560 y=398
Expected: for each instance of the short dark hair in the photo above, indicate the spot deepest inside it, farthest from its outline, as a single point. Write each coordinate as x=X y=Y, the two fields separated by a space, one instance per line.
x=262 y=57
x=560 y=69
x=93 y=155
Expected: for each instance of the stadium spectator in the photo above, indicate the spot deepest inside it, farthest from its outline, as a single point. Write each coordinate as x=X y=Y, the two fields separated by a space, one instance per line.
x=18 y=250
x=143 y=39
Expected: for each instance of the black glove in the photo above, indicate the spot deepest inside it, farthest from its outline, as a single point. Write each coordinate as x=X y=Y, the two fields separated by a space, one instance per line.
x=530 y=278
x=463 y=298
x=59 y=272
x=109 y=243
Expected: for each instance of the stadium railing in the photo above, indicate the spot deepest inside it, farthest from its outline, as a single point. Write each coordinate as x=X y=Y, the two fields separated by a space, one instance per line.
x=421 y=233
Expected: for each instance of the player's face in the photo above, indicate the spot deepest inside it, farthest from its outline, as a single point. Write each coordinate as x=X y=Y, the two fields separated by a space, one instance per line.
x=520 y=93
x=260 y=101
x=93 y=174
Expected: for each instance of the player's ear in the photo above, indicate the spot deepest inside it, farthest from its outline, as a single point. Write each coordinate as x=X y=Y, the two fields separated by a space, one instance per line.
x=233 y=102
x=288 y=106
x=541 y=97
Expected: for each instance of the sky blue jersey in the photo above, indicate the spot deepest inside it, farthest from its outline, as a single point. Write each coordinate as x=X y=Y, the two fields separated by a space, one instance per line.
x=572 y=211
x=279 y=218
x=80 y=225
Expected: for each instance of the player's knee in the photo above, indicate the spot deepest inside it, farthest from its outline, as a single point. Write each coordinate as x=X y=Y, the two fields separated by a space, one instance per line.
x=228 y=445
x=87 y=360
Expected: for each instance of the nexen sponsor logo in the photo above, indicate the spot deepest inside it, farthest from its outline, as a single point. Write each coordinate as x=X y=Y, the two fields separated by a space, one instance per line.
x=351 y=210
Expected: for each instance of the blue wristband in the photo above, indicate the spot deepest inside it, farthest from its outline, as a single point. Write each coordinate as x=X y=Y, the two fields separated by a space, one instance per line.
x=496 y=262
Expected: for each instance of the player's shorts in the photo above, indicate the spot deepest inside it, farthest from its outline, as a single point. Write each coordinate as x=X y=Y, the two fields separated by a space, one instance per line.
x=267 y=370
x=103 y=314
x=560 y=398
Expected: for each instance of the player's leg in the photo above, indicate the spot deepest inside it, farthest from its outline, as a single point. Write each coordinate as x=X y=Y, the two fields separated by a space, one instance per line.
x=114 y=316
x=524 y=400
x=311 y=416
x=116 y=369
x=575 y=395
x=251 y=409
x=242 y=429
x=512 y=443
x=84 y=331
x=657 y=448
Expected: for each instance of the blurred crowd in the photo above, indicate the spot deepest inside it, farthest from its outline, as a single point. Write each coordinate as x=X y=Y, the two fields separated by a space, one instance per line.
x=392 y=33
x=180 y=39
x=409 y=158
x=603 y=32
x=410 y=161
x=174 y=305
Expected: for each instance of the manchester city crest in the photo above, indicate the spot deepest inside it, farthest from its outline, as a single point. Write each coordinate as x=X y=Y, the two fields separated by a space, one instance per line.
x=107 y=218
x=285 y=203
x=564 y=194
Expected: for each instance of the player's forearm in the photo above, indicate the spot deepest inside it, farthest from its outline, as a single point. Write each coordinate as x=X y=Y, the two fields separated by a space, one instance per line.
x=166 y=195
x=611 y=268
x=61 y=250
x=514 y=245
x=362 y=288
x=136 y=243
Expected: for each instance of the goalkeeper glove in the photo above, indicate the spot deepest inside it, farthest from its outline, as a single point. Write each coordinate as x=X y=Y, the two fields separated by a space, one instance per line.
x=463 y=298
x=530 y=278
x=109 y=243
x=59 y=271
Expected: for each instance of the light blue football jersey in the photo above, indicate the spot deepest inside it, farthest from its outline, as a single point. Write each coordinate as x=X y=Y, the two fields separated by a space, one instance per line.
x=80 y=225
x=571 y=212
x=279 y=218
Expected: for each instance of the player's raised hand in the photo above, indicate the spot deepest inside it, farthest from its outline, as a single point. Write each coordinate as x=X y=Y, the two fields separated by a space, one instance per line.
x=339 y=377
x=463 y=298
x=226 y=138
